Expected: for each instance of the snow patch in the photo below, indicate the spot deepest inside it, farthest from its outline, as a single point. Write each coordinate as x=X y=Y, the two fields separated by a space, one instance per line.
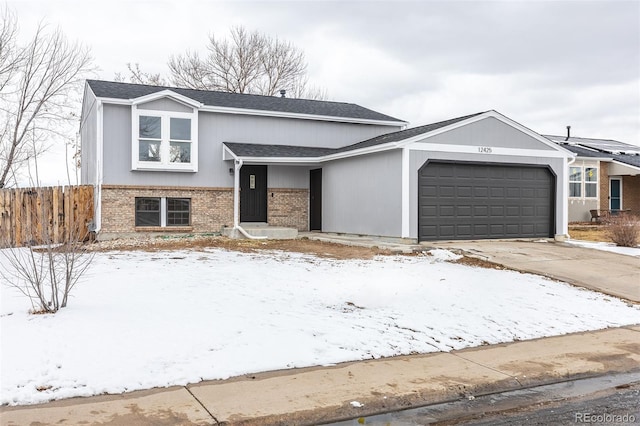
x=441 y=255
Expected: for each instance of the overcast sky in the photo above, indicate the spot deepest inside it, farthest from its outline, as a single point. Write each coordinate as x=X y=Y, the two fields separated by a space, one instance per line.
x=543 y=64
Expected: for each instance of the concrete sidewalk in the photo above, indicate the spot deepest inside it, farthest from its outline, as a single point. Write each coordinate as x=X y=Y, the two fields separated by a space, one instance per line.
x=610 y=273
x=316 y=395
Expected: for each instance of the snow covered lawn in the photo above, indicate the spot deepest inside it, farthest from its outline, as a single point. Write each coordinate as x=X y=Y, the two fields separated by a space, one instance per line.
x=143 y=320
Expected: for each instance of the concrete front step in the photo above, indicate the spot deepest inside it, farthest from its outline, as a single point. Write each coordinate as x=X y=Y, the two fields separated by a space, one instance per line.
x=270 y=232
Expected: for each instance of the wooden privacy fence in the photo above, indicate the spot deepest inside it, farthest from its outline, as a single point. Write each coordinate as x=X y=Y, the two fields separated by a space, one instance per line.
x=48 y=215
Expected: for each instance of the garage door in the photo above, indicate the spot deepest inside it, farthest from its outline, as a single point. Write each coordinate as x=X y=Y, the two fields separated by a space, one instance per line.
x=475 y=201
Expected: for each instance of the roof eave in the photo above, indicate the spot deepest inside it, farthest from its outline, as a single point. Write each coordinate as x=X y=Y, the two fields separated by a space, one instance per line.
x=254 y=112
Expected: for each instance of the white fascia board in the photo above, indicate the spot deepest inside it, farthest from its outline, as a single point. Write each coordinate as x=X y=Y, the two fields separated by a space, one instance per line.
x=605 y=159
x=473 y=149
x=167 y=94
x=283 y=114
x=227 y=154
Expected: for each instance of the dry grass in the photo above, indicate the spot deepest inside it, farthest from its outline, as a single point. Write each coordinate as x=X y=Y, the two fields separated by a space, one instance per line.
x=317 y=248
x=588 y=232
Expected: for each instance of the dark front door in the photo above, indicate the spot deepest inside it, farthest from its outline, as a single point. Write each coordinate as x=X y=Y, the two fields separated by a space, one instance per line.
x=615 y=199
x=315 y=200
x=253 y=194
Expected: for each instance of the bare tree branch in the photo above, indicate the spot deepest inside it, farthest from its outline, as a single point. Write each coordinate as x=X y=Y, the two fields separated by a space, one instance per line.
x=245 y=63
x=36 y=83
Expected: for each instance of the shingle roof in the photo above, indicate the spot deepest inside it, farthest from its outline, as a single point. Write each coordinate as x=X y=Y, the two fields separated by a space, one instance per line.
x=109 y=89
x=257 y=150
x=270 y=151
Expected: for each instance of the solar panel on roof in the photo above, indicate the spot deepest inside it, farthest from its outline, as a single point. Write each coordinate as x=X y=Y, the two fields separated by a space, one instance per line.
x=608 y=145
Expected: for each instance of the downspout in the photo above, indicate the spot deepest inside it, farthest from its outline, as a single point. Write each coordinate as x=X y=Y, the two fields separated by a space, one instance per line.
x=236 y=203
x=99 y=168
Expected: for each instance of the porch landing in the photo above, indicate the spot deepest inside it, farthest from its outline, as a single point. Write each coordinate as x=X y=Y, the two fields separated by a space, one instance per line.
x=262 y=230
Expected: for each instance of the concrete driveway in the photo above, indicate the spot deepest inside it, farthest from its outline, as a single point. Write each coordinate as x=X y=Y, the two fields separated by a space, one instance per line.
x=610 y=273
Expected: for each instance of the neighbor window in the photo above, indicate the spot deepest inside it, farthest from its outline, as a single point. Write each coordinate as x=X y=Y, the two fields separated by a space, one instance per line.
x=164 y=140
x=161 y=211
x=590 y=182
x=575 y=182
x=583 y=183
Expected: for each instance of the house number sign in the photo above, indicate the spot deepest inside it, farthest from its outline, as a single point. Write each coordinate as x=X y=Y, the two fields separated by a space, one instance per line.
x=252 y=181
x=484 y=150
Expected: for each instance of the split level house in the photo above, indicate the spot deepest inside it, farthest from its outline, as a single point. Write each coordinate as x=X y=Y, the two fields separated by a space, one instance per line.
x=166 y=159
x=604 y=178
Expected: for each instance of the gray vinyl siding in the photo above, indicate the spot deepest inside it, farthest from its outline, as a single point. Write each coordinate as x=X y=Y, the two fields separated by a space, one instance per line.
x=165 y=105
x=489 y=132
x=362 y=195
x=295 y=177
x=213 y=130
x=418 y=158
x=89 y=139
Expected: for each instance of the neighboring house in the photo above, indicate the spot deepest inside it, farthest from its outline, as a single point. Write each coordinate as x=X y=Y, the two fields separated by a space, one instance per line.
x=168 y=159
x=605 y=176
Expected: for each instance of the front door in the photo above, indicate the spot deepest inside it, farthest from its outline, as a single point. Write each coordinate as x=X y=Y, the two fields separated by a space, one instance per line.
x=615 y=194
x=315 y=200
x=253 y=194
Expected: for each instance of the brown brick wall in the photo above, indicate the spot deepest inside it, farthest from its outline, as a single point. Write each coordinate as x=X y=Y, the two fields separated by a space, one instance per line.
x=288 y=207
x=211 y=208
x=604 y=186
x=631 y=193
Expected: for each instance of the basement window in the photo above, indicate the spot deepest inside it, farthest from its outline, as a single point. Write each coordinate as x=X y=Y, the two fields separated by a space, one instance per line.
x=162 y=211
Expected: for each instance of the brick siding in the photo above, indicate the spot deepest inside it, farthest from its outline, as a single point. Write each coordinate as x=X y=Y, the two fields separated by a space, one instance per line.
x=604 y=185
x=631 y=193
x=288 y=207
x=211 y=208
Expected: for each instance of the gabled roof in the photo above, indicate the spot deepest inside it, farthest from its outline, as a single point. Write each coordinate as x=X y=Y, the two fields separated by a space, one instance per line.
x=604 y=149
x=289 y=153
x=241 y=101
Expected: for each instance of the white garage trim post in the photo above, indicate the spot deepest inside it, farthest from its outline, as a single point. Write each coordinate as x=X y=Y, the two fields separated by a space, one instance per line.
x=406 y=196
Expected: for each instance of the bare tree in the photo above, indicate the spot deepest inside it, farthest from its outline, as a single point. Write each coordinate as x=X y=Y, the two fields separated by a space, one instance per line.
x=38 y=82
x=246 y=63
x=137 y=76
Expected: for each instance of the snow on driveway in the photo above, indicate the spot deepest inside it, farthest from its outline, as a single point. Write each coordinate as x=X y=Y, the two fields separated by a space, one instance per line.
x=143 y=320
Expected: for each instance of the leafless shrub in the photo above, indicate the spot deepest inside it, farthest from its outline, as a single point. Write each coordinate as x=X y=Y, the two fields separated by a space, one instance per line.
x=46 y=273
x=624 y=229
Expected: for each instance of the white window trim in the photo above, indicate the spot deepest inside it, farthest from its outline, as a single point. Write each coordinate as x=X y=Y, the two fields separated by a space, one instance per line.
x=583 y=182
x=164 y=164
x=596 y=183
x=163 y=214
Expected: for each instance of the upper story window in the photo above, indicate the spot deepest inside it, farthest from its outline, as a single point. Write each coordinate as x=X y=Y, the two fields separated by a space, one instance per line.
x=164 y=140
x=583 y=183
